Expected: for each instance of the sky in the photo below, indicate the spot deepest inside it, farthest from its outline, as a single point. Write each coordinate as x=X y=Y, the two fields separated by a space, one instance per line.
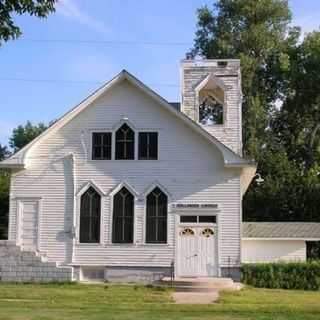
x=40 y=80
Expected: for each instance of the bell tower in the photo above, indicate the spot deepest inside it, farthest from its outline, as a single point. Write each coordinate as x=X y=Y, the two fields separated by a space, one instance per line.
x=211 y=96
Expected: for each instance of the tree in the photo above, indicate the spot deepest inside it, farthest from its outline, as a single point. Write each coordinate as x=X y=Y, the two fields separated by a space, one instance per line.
x=23 y=134
x=298 y=121
x=4 y=203
x=253 y=31
x=8 y=8
x=4 y=152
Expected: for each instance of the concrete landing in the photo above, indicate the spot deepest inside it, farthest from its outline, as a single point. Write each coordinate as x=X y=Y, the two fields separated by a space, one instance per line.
x=200 y=290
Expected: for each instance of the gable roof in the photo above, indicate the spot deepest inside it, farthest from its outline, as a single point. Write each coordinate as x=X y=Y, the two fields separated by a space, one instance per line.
x=281 y=230
x=231 y=159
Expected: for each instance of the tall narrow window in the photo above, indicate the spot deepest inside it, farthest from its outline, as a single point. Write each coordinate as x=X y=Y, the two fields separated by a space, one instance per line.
x=123 y=213
x=210 y=111
x=157 y=215
x=148 y=145
x=124 y=143
x=90 y=216
x=101 y=145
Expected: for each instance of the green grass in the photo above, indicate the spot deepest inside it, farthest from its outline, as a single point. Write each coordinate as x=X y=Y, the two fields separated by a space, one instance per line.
x=97 y=302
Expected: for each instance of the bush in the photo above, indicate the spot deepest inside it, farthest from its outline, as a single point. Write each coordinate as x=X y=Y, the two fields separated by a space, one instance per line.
x=283 y=275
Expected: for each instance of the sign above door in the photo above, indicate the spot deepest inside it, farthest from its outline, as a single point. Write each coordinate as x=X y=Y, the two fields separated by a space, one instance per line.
x=194 y=206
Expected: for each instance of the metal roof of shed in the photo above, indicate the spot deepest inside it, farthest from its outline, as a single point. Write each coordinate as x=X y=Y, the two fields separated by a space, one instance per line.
x=281 y=230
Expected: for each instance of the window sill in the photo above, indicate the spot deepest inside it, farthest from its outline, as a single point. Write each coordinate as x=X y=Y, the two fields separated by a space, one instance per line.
x=126 y=161
x=136 y=244
x=90 y=244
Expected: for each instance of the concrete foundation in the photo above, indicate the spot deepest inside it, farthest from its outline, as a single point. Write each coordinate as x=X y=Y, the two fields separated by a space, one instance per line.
x=136 y=274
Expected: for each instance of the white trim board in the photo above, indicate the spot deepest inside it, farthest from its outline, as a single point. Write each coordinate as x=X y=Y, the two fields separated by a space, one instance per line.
x=230 y=157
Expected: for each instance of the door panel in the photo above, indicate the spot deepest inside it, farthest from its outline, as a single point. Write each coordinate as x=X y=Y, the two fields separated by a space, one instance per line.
x=196 y=252
x=207 y=249
x=29 y=212
x=188 y=249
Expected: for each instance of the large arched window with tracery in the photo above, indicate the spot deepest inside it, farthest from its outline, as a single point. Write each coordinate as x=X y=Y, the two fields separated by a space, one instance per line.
x=123 y=213
x=157 y=216
x=90 y=212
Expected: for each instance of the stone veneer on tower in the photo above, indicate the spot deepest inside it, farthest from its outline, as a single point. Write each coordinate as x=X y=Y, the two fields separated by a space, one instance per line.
x=223 y=79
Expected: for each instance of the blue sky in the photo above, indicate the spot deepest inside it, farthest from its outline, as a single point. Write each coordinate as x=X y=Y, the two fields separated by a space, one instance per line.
x=90 y=64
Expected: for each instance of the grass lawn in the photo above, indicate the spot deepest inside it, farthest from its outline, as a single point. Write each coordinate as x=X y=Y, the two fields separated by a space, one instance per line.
x=78 y=301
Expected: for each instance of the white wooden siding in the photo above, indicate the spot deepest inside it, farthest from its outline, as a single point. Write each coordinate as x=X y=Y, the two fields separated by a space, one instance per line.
x=189 y=167
x=273 y=250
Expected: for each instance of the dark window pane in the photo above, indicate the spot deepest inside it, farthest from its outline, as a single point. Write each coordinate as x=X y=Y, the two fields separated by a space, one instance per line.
x=143 y=146
x=210 y=219
x=90 y=208
x=188 y=219
x=157 y=212
x=148 y=146
x=123 y=213
x=101 y=145
x=124 y=143
x=153 y=146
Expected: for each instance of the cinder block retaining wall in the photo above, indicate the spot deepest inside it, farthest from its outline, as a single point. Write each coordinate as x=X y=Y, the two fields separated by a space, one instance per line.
x=23 y=266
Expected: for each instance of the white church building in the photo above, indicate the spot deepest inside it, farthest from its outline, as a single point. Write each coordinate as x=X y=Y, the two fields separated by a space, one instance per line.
x=129 y=186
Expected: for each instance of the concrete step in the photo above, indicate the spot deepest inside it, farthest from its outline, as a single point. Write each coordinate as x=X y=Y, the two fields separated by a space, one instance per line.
x=200 y=282
x=27 y=266
x=195 y=289
x=201 y=285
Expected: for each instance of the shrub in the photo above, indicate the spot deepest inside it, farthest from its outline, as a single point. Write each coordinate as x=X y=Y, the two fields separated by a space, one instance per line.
x=283 y=275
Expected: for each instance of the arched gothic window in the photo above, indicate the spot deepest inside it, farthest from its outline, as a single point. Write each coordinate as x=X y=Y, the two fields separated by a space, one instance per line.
x=90 y=211
x=210 y=111
x=157 y=216
x=124 y=143
x=123 y=213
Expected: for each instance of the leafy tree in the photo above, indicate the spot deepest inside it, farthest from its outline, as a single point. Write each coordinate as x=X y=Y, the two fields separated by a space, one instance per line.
x=287 y=194
x=4 y=194
x=298 y=121
x=276 y=67
x=23 y=134
x=4 y=152
x=4 y=203
x=9 y=8
x=253 y=31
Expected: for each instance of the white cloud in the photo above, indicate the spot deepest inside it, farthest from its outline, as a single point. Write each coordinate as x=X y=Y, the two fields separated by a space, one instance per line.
x=69 y=9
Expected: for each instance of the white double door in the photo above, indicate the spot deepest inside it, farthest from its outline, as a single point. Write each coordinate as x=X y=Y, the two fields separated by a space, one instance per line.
x=196 y=251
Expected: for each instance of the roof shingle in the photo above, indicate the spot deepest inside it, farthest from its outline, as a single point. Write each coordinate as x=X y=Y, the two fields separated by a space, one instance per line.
x=300 y=230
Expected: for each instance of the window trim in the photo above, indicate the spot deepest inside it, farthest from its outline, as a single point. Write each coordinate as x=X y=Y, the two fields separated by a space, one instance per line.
x=210 y=78
x=78 y=211
x=134 y=141
x=138 y=143
x=145 y=195
x=197 y=215
x=83 y=189
x=91 y=144
x=86 y=141
x=111 y=198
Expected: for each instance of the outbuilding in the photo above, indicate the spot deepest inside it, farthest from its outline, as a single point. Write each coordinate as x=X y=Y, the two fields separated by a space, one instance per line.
x=277 y=241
